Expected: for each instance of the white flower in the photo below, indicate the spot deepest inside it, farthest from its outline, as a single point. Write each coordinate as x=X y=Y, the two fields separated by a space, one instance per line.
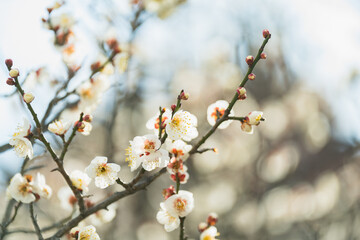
x=64 y=21
x=67 y=198
x=179 y=148
x=146 y=150
x=216 y=110
x=21 y=188
x=105 y=174
x=209 y=234
x=103 y=216
x=59 y=127
x=254 y=118
x=182 y=126
x=87 y=129
x=21 y=143
x=85 y=233
x=91 y=92
x=171 y=222
x=180 y=204
x=80 y=180
x=153 y=123
x=41 y=188
x=121 y=61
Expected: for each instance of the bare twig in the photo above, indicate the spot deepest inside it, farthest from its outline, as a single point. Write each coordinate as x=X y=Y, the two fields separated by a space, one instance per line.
x=34 y=221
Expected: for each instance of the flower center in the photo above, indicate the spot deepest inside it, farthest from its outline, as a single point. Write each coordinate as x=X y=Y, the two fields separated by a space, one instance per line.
x=217 y=113
x=180 y=204
x=102 y=169
x=149 y=145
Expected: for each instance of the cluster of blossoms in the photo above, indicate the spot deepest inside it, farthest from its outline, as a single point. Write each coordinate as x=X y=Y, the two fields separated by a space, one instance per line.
x=180 y=152
x=175 y=206
x=207 y=229
x=21 y=142
x=25 y=189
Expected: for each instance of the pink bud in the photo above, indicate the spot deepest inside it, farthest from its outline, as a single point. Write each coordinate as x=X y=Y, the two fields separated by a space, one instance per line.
x=266 y=33
x=241 y=91
x=10 y=81
x=88 y=118
x=80 y=125
x=173 y=107
x=183 y=95
x=9 y=63
x=251 y=76
x=249 y=60
x=263 y=56
x=212 y=219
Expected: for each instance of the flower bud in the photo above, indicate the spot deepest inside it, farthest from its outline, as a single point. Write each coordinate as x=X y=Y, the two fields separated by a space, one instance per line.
x=202 y=227
x=49 y=10
x=9 y=63
x=173 y=107
x=80 y=125
x=251 y=76
x=263 y=56
x=74 y=233
x=266 y=33
x=249 y=60
x=95 y=66
x=14 y=73
x=183 y=95
x=28 y=97
x=215 y=150
x=10 y=81
x=88 y=118
x=168 y=192
x=212 y=219
x=241 y=91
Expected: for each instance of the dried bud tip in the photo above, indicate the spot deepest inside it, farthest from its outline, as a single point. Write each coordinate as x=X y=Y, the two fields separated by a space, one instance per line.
x=95 y=66
x=202 y=227
x=249 y=60
x=80 y=125
x=251 y=76
x=43 y=20
x=14 y=73
x=88 y=118
x=49 y=10
x=266 y=33
x=263 y=56
x=9 y=63
x=241 y=91
x=10 y=81
x=28 y=97
x=173 y=107
x=183 y=95
x=212 y=219
x=215 y=150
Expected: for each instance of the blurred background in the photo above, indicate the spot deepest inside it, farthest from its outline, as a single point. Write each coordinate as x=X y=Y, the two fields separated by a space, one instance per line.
x=297 y=177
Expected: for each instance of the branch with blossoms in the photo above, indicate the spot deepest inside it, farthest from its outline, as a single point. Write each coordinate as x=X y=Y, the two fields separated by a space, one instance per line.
x=164 y=151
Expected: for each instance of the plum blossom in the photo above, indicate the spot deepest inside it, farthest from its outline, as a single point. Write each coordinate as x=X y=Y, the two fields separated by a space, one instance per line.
x=171 y=222
x=84 y=233
x=180 y=204
x=146 y=150
x=105 y=174
x=209 y=234
x=253 y=118
x=182 y=126
x=59 y=127
x=21 y=188
x=153 y=123
x=25 y=189
x=178 y=148
x=67 y=198
x=80 y=180
x=103 y=216
x=216 y=110
x=21 y=143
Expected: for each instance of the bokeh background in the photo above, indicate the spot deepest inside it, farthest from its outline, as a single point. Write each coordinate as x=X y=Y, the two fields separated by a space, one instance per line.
x=296 y=177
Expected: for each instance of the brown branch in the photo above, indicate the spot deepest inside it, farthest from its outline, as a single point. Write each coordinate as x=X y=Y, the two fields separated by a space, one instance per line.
x=34 y=221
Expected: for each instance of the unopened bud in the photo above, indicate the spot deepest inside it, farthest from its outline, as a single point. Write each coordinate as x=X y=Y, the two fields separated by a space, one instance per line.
x=249 y=60
x=80 y=125
x=10 y=81
x=14 y=73
x=50 y=10
x=9 y=63
x=88 y=118
x=251 y=76
x=173 y=107
x=28 y=97
x=241 y=91
x=202 y=227
x=215 y=150
x=212 y=219
x=263 y=56
x=74 y=233
x=184 y=96
x=266 y=33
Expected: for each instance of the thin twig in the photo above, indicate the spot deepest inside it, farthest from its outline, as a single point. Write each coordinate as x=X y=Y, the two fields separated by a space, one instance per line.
x=34 y=221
